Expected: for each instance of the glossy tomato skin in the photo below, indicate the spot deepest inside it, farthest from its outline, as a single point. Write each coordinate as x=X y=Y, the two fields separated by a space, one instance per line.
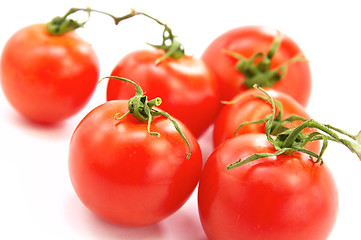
x=275 y=198
x=126 y=176
x=48 y=78
x=248 y=107
x=187 y=87
x=247 y=41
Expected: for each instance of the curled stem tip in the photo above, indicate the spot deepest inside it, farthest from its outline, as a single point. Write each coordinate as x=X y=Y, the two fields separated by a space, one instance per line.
x=142 y=109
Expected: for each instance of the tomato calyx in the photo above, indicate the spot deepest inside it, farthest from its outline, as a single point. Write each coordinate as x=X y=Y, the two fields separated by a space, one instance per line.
x=278 y=123
x=293 y=139
x=61 y=25
x=173 y=49
x=142 y=110
x=257 y=69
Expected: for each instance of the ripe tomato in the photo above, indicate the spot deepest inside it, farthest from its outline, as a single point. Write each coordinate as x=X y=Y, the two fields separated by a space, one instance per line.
x=127 y=176
x=48 y=78
x=249 y=107
x=273 y=198
x=187 y=87
x=248 y=41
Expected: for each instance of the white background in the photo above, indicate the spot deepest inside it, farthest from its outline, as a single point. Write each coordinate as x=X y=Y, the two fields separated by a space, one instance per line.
x=37 y=199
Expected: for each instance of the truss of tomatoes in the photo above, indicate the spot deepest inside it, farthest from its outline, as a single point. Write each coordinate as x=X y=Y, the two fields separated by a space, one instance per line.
x=267 y=182
x=262 y=181
x=135 y=164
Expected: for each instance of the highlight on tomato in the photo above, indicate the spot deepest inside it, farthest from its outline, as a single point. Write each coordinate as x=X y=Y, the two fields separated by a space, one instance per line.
x=186 y=84
x=48 y=72
x=248 y=112
x=131 y=163
x=258 y=186
x=248 y=55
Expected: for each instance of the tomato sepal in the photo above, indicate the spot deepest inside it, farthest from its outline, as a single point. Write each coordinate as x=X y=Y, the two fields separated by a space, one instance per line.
x=257 y=69
x=292 y=140
x=142 y=110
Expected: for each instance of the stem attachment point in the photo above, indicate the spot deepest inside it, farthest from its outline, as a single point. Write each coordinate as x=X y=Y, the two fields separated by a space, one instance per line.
x=291 y=140
x=142 y=109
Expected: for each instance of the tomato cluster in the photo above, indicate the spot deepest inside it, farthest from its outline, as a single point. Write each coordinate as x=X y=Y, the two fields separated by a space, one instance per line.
x=135 y=161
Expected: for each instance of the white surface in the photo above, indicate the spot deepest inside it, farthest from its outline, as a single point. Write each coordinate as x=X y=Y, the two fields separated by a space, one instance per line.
x=37 y=199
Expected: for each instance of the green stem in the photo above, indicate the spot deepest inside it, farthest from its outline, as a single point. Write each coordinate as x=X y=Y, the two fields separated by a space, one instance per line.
x=270 y=121
x=142 y=109
x=311 y=123
x=291 y=140
x=62 y=25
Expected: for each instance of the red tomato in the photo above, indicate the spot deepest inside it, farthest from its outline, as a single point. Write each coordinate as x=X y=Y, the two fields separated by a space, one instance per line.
x=248 y=107
x=125 y=175
x=186 y=86
x=48 y=78
x=275 y=198
x=248 y=41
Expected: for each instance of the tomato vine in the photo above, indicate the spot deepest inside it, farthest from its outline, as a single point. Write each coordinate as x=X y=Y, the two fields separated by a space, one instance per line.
x=291 y=140
x=61 y=25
